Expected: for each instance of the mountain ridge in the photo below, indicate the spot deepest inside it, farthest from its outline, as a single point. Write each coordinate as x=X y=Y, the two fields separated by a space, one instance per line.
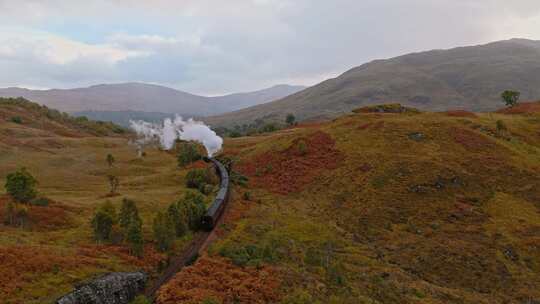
x=467 y=77
x=144 y=97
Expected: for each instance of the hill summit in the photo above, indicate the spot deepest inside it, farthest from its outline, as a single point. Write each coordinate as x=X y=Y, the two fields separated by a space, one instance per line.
x=469 y=78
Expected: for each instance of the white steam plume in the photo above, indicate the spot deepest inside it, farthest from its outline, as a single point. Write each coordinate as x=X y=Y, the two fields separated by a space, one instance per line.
x=178 y=128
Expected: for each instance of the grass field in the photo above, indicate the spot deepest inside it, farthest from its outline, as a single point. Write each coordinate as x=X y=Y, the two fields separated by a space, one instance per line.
x=369 y=208
x=383 y=208
x=42 y=261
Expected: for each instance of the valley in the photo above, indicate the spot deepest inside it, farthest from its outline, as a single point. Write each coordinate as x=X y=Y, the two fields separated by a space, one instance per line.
x=385 y=204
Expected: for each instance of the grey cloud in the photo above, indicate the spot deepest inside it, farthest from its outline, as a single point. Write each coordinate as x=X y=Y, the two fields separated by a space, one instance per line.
x=216 y=47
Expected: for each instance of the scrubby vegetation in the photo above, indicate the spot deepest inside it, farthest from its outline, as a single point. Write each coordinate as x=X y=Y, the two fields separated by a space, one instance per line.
x=510 y=98
x=21 y=186
x=386 y=108
x=260 y=126
x=200 y=179
x=39 y=113
x=164 y=231
x=187 y=153
x=431 y=208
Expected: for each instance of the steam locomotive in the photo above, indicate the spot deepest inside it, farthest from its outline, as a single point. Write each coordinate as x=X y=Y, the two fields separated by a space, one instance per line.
x=214 y=212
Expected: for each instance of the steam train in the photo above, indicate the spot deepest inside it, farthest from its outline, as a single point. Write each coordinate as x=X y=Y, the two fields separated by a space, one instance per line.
x=214 y=212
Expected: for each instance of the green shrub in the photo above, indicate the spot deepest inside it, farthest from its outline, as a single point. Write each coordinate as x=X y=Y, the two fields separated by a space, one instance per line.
x=179 y=219
x=110 y=160
x=102 y=224
x=135 y=239
x=40 y=201
x=247 y=196
x=187 y=154
x=251 y=255
x=109 y=209
x=16 y=119
x=267 y=128
x=290 y=119
x=197 y=178
x=192 y=208
x=510 y=98
x=302 y=148
x=128 y=213
x=20 y=185
x=238 y=178
x=210 y=301
x=141 y=300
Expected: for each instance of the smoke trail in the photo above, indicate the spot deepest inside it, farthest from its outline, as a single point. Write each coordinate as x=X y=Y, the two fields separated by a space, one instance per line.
x=170 y=130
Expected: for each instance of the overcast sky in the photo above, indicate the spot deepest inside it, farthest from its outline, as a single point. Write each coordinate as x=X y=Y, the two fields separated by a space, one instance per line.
x=220 y=46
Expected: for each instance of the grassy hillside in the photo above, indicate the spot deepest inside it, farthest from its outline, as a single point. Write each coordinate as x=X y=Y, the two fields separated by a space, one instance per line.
x=470 y=78
x=55 y=248
x=380 y=208
x=134 y=99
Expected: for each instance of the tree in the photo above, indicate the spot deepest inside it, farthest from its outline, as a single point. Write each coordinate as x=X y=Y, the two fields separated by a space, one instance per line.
x=510 y=98
x=290 y=119
x=501 y=126
x=110 y=210
x=178 y=218
x=20 y=185
x=128 y=213
x=197 y=178
x=16 y=119
x=164 y=233
x=192 y=205
x=110 y=160
x=102 y=223
x=135 y=238
x=114 y=182
x=187 y=154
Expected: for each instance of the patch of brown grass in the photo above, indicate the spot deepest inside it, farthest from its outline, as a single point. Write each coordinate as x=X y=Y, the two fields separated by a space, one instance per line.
x=522 y=108
x=471 y=140
x=149 y=261
x=218 y=278
x=43 y=218
x=290 y=170
x=20 y=264
x=460 y=113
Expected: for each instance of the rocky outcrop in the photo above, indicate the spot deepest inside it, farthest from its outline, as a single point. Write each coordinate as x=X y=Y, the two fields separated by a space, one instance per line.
x=113 y=288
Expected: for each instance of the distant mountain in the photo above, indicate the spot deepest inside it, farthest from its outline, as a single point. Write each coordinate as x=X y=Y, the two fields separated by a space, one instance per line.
x=141 y=97
x=243 y=100
x=470 y=78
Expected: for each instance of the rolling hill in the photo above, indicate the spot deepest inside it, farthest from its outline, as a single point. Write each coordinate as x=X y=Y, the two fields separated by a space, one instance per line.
x=373 y=207
x=469 y=78
x=411 y=207
x=141 y=97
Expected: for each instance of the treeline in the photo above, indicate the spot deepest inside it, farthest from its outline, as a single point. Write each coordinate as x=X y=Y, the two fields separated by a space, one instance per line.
x=177 y=220
x=125 y=226
x=101 y=128
x=259 y=126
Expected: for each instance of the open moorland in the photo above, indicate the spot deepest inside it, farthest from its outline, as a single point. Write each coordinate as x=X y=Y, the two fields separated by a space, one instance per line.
x=54 y=248
x=384 y=205
x=377 y=207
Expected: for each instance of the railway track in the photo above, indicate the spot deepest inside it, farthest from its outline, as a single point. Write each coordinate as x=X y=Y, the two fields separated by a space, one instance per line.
x=208 y=222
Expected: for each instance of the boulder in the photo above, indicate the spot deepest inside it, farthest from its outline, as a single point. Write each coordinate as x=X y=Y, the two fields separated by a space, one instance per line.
x=113 y=288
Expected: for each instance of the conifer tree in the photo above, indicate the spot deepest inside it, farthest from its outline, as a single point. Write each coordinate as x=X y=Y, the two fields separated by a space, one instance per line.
x=163 y=231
